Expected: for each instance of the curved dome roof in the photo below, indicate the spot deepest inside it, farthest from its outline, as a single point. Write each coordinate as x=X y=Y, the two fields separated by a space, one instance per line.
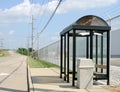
x=88 y=22
x=91 y=20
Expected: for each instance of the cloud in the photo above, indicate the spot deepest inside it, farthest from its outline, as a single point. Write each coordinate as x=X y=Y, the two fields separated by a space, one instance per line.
x=22 y=11
x=70 y=5
x=19 y=10
x=16 y=13
x=11 y=32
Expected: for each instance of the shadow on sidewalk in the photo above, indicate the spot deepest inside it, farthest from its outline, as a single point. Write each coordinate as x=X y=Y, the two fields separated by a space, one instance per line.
x=52 y=84
x=46 y=79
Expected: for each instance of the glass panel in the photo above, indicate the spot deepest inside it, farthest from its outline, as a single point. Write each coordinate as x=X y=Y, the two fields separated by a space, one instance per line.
x=99 y=52
x=81 y=47
x=71 y=52
x=94 y=49
x=104 y=49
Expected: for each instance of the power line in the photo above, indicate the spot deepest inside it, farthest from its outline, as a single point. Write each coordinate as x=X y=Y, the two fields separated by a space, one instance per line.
x=113 y=18
x=43 y=12
x=47 y=25
x=50 y=17
x=40 y=10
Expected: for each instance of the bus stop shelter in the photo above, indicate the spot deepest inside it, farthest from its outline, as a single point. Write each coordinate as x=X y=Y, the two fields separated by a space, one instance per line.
x=97 y=34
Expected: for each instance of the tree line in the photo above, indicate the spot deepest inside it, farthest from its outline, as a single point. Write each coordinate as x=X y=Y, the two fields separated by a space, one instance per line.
x=24 y=51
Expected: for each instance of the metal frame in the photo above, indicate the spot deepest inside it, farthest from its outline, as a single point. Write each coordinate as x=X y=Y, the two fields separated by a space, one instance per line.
x=96 y=51
x=66 y=33
x=68 y=57
x=74 y=57
x=61 y=55
x=101 y=52
x=64 y=57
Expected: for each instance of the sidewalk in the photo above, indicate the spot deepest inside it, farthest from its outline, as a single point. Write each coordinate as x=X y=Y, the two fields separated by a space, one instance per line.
x=47 y=80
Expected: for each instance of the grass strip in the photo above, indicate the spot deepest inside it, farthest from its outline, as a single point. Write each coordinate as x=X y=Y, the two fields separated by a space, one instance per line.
x=35 y=63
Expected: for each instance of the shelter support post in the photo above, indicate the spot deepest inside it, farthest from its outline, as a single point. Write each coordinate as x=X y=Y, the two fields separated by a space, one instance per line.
x=68 y=57
x=102 y=52
x=61 y=56
x=74 y=57
x=108 y=57
x=96 y=58
x=64 y=57
x=87 y=47
x=91 y=44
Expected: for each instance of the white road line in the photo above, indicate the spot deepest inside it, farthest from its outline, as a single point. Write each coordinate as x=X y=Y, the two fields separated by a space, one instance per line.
x=4 y=74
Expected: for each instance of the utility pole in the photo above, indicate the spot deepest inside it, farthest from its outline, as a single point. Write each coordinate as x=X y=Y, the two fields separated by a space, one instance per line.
x=28 y=45
x=38 y=44
x=32 y=37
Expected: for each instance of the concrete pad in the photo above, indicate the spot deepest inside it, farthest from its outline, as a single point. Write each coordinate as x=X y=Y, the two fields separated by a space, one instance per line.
x=48 y=80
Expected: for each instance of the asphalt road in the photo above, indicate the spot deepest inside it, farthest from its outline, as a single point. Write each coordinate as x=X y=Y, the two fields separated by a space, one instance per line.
x=13 y=73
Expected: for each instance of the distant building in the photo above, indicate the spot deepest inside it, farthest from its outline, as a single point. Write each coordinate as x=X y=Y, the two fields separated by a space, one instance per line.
x=115 y=43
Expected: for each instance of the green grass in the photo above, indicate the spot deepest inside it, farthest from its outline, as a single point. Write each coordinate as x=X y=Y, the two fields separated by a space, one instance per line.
x=4 y=53
x=35 y=63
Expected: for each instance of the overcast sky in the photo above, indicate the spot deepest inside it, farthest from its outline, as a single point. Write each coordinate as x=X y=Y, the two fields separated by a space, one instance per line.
x=15 y=18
